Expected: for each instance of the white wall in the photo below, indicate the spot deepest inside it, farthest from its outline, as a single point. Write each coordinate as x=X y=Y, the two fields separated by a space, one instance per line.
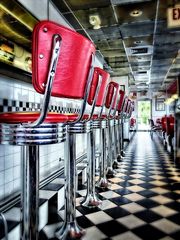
x=123 y=80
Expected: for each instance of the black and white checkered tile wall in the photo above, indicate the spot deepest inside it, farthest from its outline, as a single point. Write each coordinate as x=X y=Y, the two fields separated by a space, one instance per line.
x=7 y=105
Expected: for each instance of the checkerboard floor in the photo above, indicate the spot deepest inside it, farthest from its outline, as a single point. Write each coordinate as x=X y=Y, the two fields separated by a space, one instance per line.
x=142 y=201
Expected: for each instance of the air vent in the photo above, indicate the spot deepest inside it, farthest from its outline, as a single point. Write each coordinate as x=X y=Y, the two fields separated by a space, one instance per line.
x=135 y=51
x=141 y=76
x=141 y=72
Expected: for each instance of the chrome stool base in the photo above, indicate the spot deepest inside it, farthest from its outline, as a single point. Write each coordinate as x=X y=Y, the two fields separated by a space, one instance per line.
x=119 y=158
x=91 y=201
x=110 y=172
x=70 y=230
x=123 y=153
x=102 y=183
x=115 y=164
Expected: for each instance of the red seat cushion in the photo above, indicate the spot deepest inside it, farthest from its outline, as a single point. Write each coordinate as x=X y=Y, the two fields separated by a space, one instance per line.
x=24 y=117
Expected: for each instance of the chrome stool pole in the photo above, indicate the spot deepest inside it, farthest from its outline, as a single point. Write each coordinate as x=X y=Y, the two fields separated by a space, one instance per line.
x=115 y=143
x=91 y=200
x=30 y=188
x=70 y=228
x=103 y=182
x=118 y=128
x=122 y=139
x=110 y=172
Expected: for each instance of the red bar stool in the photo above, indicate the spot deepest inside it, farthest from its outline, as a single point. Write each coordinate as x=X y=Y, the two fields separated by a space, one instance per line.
x=111 y=117
x=122 y=119
x=117 y=133
x=110 y=101
x=91 y=200
x=55 y=72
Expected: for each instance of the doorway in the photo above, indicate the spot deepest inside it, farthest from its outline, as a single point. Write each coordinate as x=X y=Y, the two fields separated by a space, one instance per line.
x=144 y=113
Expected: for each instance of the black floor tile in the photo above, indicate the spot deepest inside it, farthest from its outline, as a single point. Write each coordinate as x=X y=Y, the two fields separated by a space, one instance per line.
x=174 y=205
x=147 y=203
x=148 y=216
x=111 y=228
x=147 y=193
x=85 y=210
x=120 y=200
x=117 y=212
x=147 y=185
x=148 y=232
x=175 y=218
x=175 y=235
x=84 y=222
x=123 y=191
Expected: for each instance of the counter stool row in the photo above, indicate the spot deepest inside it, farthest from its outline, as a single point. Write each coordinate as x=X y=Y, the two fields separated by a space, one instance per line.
x=63 y=66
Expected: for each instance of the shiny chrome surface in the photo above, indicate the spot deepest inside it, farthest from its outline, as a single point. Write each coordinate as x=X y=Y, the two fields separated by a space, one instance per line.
x=81 y=127
x=30 y=192
x=96 y=124
x=16 y=134
x=91 y=200
x=110 y=171
x=70 y=228
x=103 y=182
x=86 y=95
x=5 y=225
x=51 y=74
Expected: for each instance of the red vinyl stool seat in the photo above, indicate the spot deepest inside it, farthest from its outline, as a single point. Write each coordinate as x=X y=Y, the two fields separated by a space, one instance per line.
x=25 y=117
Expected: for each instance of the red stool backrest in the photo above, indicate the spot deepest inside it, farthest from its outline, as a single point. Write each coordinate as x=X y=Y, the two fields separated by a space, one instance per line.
x=158 y=121
x=105 y=78
x=113 y=86
x=170 y=125
x=128 y=106
x=132 y=121
x=164 y=123
x=125 y=103
x=121 y=99
x=73 y=64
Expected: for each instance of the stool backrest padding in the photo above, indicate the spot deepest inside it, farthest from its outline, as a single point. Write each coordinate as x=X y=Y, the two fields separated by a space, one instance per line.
x=112 y=95
x=164 y=123
x=170 y=125
x=121 y=99
x=128 y=106
x=73 y=64
x=125 y=104
x=101 y=94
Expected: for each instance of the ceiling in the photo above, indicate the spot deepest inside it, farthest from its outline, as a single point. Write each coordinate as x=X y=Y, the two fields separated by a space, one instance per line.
x=131 y=37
